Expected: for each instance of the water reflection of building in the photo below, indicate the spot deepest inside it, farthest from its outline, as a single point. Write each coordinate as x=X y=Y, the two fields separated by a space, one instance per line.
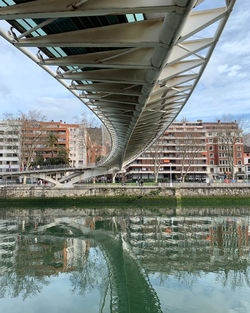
x=40 y=254
x=76 y=251
x=7 y=244
x=161 y=244
x=178 y=243
x=229 y=238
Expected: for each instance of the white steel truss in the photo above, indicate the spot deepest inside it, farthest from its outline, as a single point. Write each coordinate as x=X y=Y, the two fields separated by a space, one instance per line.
x=140 y=73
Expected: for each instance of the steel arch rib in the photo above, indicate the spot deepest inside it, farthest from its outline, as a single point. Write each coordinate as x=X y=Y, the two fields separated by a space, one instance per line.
x=136 y=77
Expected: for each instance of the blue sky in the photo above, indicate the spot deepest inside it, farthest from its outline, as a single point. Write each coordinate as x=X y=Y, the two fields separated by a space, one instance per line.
x=224 y=88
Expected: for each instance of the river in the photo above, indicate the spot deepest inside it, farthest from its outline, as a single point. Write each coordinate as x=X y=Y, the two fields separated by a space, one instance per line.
x=125 y=260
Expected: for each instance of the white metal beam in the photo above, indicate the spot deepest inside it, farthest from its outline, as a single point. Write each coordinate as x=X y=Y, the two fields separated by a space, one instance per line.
x=68 y=8
x=110 y=75
x=119 y=89
x=188 y=48
x=178 y=68
x=137 y=34
x=199 y=20
x=121 y=58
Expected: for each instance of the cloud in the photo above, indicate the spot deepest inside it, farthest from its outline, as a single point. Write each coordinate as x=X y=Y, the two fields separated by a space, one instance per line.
x=225 y=85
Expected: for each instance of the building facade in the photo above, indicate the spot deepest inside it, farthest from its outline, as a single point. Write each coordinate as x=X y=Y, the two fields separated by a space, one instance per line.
x=247 y=162
x=192 y=151
x=77 y=145
x=225 y=150
x=9 y=146
x=49 y=139
x=179 y=154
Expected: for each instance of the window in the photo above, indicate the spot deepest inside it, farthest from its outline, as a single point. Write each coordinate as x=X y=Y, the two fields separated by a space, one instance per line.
x=211 y=162
x=238 y=155
x=238 y=148
x=211 y=155
x=210 y=148
x=239 y=163
x=223 y=162
x=210 y=140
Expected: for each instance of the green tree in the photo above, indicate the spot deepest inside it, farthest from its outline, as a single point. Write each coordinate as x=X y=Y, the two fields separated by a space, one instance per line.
x=52 y=142
x=39 y=160
x=63 y=154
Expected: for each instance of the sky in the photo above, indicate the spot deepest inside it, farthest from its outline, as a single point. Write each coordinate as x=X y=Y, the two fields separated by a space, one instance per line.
x=224 y=89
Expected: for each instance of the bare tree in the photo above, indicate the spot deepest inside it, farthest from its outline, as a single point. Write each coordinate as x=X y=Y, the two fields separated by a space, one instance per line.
x=30 y=132
x=92 y=139
x=189 y=148
x=157 y=152
x=229 y=135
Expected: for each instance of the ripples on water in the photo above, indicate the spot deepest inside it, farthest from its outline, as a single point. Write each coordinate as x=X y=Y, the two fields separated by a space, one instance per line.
x=136 y=261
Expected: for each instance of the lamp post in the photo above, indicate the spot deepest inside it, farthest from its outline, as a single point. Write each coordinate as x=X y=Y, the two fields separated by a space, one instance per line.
x=170 y=174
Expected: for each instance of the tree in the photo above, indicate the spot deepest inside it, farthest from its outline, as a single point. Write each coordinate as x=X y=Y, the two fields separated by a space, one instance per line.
x=27 y=125
x=92 y=139
x=39 y=160
x=52 y=142
x=62 y=157
x=229 y=135
x=188 y=148
x=156 y=159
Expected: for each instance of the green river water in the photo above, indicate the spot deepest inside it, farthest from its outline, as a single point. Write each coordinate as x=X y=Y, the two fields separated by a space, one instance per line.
x=125 y=260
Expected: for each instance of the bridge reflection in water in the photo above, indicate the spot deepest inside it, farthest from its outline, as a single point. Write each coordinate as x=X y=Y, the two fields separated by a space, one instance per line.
x=119 y=256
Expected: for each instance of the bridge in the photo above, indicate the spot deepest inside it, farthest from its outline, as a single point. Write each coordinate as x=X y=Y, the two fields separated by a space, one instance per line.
x=133 y=63
x=61 y=176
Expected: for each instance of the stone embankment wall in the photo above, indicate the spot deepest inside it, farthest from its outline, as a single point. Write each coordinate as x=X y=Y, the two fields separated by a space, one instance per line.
x=178 y=191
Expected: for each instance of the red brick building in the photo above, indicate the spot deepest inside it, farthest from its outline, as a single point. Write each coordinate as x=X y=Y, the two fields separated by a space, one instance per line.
x=225 y=149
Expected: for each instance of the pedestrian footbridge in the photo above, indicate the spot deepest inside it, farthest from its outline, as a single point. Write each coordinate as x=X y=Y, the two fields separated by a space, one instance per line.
x=134 y=63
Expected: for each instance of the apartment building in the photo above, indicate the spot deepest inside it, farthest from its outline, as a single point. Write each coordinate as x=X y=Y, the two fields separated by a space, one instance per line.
x=225 y=150
x=179 y=154
x=67 y=137
x=192 y=151
x=9 y=146
x=77 y=145
x=247 y=162
x=35 y=140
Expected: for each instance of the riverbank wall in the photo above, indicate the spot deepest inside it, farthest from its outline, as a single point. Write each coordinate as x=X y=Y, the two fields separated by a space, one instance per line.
x=178 y=191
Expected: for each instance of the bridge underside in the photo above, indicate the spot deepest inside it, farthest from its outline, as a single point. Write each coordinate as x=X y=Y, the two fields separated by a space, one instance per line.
x=134 y=63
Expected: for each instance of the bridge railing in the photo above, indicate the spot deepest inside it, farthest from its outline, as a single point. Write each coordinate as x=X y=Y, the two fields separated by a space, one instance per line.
x=45 y=167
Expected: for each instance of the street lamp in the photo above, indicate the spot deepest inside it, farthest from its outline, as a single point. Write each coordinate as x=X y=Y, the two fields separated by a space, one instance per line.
x=170 y=174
